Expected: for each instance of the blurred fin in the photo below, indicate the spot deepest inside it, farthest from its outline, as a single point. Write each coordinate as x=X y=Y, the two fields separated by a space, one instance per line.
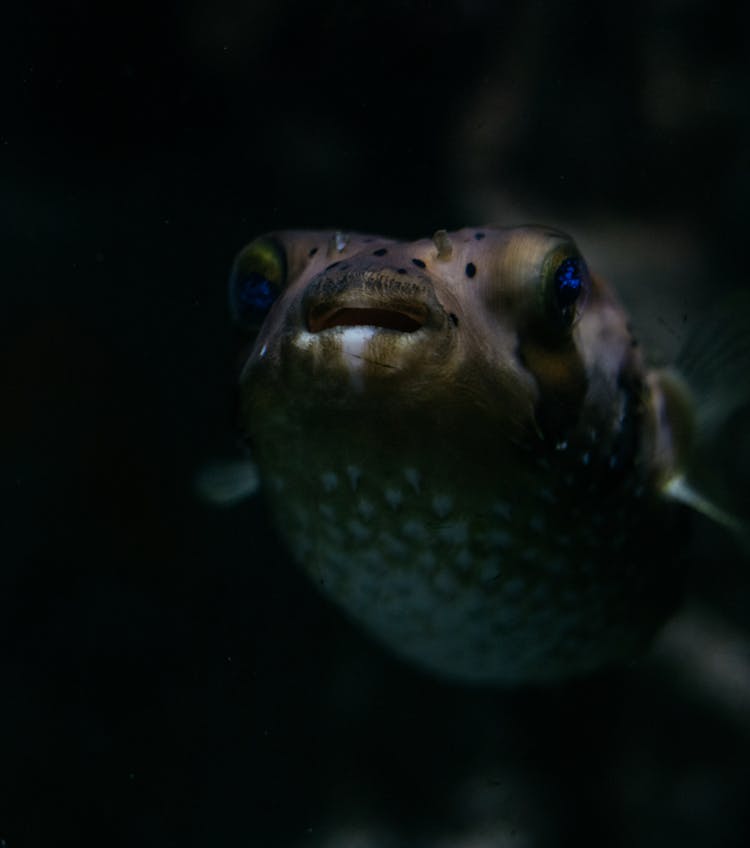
x=712 y=659
x=227 y=483
x=715 y=362
x=680 y=490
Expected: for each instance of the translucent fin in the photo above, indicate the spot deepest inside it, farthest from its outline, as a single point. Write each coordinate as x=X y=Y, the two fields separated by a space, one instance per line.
x=715 y=365
x=680 y=490
x=227 y=483
x=715 y=362
x=712 y=659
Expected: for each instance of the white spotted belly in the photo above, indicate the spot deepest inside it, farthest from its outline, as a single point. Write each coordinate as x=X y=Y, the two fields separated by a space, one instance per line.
x=473 y=588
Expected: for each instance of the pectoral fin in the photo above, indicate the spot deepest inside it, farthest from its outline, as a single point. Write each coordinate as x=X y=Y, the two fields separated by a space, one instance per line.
x=227 y=483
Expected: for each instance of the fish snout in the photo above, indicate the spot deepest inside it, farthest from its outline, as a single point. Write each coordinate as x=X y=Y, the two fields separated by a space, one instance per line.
x=388 y=299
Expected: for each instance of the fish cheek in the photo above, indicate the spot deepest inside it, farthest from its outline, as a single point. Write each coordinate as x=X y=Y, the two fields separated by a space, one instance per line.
x=561 y=377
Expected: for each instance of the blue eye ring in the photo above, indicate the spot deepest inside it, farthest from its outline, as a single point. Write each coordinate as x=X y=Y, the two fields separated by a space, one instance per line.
x=257 y=278
x=569 y=281
x=255 y=293
x=566 y=284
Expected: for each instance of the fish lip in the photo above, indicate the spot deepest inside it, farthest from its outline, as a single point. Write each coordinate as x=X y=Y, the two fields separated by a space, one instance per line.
x=402 y=319
x=366 y=299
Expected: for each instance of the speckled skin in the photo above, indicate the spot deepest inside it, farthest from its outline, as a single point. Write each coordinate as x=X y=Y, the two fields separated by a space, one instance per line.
x=478 y=492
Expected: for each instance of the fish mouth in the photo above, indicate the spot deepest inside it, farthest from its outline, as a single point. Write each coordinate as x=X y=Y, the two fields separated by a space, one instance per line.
x=367 y=327
x=399 y=319
x=371 y=297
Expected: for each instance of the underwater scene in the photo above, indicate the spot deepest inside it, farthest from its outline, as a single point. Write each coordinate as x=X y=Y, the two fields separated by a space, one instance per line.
x=375 y=425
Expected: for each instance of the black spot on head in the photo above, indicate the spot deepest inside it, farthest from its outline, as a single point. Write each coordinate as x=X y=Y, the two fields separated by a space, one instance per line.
x=454 y=319
x=419 y=263
x=401 y=271
x=471 y=269
x=333 y=265
x=478 y=236
x=381 y=251
x=313 y=251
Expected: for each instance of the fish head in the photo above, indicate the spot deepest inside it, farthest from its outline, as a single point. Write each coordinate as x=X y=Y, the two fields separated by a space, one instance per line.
x=503 y=327
x=447 y=425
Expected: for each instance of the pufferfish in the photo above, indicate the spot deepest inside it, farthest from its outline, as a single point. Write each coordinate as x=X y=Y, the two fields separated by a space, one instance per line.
x=462 y=446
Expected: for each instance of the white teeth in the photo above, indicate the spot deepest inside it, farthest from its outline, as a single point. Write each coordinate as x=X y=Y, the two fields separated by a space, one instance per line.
x=354 y=341
x=304 y=340
x=358 y=351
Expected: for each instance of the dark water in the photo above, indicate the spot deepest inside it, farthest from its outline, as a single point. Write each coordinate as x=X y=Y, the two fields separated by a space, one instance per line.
x=167 y=677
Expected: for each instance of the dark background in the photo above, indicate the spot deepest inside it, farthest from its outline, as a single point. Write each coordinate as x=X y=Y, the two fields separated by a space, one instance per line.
x=167 y=678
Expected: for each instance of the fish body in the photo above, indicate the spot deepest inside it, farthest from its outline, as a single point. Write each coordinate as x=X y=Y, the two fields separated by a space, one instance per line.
x=462 y=446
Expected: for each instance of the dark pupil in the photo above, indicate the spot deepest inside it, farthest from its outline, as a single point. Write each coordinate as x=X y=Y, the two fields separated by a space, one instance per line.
x=568 y=282
x=256 y=293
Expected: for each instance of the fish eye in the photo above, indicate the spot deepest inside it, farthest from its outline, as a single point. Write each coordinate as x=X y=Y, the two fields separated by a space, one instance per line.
x=566 y=283
x=256 y=280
